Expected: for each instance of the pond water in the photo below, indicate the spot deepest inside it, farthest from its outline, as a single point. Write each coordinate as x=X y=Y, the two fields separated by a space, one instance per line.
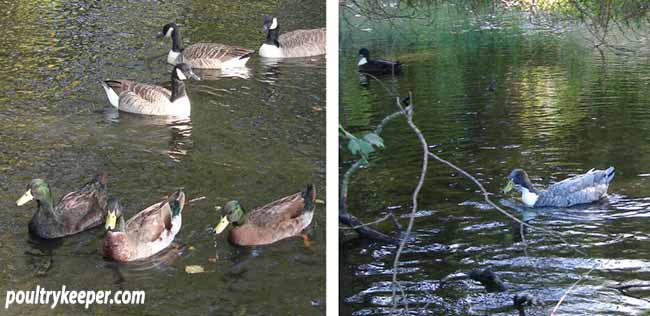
x=559 y=109
x=255 y=137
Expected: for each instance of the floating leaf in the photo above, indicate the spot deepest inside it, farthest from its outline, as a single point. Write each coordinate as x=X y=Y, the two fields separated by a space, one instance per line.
x=194 y=269
x=374 y=139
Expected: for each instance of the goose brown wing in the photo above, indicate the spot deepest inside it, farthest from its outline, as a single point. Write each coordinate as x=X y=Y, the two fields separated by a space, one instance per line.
x=211 y=51
x=304 y=42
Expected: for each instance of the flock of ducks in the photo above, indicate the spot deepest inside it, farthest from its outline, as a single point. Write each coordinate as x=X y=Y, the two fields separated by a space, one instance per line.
x=154 y=228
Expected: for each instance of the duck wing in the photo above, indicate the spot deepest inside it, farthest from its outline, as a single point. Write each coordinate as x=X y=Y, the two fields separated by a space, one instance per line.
x=277 y=211
x=150 y=224
x=284 y=209
x=584 y=188
x=85 y=207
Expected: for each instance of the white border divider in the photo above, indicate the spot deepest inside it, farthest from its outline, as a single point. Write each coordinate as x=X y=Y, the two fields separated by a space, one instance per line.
x=332 y=163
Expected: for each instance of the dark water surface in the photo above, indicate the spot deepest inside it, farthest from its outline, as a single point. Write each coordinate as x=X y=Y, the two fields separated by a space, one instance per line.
x=255 y=139
x=558 y=110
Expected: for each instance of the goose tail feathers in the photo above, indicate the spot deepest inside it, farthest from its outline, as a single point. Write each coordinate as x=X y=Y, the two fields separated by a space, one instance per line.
x=609 y=174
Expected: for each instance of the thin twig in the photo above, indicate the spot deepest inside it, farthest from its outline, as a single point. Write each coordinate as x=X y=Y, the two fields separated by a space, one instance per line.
x=418 y=187
x=566 y=293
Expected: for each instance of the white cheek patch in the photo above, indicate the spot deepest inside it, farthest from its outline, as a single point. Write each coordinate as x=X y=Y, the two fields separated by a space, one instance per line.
x=274 y=25
x=180 y=74
x=362 y=61
x=169 y=32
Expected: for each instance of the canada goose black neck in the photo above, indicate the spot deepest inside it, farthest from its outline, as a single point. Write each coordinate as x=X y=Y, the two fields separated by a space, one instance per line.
x=272 y=36
x=178 y=88
x=176 y=40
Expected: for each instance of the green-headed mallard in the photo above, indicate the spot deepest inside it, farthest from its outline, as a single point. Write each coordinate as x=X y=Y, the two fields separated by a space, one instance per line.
x=284 y=218
x=580 y=189
x=75 y=212
x=146 y=233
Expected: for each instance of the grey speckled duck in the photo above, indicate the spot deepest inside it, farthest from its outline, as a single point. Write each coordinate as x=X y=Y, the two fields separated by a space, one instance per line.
x=580 y=189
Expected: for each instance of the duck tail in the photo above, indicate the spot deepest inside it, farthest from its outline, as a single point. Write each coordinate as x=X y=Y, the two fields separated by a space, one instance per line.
x=309 y=197
x=609 y=174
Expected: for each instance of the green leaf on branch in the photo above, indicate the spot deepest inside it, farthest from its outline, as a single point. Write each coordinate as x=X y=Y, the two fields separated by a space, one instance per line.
x=374 y=139
x=353 y=146
x=362 y=146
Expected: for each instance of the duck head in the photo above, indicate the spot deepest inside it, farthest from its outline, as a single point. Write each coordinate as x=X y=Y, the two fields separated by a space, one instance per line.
x=364 y=55
x=183 y=72
x=232 y=213
x=36 y=190
x=518 y=180
x=114 y=218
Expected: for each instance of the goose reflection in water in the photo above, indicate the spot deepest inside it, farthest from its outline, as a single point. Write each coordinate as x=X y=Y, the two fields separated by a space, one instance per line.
x=151 y=127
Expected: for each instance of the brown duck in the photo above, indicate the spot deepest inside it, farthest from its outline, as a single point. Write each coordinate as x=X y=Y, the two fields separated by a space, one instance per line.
x=75 y=212
x=146 y=233
x=281 y=219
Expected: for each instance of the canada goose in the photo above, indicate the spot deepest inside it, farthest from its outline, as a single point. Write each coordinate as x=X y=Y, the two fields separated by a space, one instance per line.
x=129 y=96
x=204 y=55
x=299 y=43
x=376 y=66
x=585 y=188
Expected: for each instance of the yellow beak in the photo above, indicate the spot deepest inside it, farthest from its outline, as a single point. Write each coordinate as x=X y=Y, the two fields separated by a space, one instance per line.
x=111 y=219
x=509 y=186
x=25 y=198
x=223 y=223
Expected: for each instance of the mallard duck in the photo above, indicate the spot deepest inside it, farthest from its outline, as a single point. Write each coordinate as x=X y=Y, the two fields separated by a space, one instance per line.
x=376 y=66
x=281 y=219
x=299 y=43
x=146 y=233
x=75 y=212
x=580 y=189
x=204 y=55
x=138 y=98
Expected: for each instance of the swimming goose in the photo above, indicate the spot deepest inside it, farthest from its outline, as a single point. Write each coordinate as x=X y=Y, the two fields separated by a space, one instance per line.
x=204 y=55
x=132 y=97
x=299 y=43
x=580 y=189
x=376 y=66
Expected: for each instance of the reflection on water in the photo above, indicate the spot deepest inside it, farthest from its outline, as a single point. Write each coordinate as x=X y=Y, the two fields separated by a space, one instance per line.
x=254 y=135
x=557 y=110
